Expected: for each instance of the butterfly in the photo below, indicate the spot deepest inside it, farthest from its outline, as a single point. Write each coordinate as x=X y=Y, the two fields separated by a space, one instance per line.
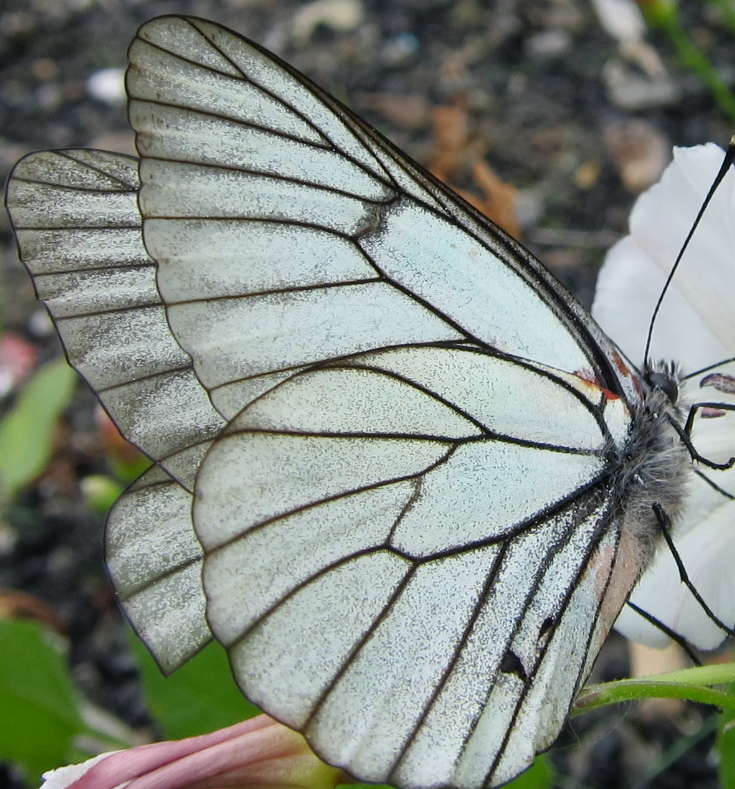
x=399 y=473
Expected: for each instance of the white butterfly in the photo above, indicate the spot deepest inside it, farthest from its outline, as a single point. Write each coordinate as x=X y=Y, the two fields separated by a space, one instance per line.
x=400 y=474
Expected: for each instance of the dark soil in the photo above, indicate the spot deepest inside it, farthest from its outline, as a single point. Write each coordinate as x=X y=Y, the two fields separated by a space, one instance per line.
x=528 y=77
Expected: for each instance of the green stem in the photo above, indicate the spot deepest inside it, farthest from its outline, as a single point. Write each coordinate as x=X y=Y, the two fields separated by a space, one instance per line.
x=727 y=11
x=664 y=14
x=690 y=684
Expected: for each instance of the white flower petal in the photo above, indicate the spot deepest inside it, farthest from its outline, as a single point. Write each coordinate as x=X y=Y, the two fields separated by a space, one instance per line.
x=697 y=320
x=62 y=777
x=628 y=287
x=695 y=327
x=707 y=552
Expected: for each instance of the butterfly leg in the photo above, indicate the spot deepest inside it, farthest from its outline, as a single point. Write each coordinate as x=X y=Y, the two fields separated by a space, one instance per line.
x=664 y=523
x=686 y=431
x=708 y=369
x=666 y=630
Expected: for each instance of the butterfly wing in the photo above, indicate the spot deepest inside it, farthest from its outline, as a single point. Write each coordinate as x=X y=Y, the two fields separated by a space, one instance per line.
x=331 y=219
x=155 y=563
x=386 y=579
x=76 y=220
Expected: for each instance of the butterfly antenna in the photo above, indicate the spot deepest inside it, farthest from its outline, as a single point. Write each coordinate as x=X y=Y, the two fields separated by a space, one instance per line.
x=726 y=162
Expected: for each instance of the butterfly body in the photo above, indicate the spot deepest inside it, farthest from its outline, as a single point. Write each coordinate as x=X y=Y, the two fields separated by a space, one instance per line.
x=656 y=464
x=400 y=474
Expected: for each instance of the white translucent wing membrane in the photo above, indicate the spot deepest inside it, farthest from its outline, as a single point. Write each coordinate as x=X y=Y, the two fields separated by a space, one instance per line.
x=396 y=525
x=386 y=576
x=402 y=491
x=155 y=562
x=76 y=219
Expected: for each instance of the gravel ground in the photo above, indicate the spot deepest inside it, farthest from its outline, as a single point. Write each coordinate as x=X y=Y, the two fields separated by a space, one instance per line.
x=538 y=90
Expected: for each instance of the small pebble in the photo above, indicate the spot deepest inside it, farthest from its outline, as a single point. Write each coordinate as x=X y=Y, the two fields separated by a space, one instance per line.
x=44 y=69
x=339 y=15
x=627 y=89
x=550 y=43
x=107 y=85
x=640 y=152
x=399 y=49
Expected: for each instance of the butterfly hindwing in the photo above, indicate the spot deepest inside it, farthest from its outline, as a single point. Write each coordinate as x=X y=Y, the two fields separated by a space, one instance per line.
x=78 y=228
x=155 y=562
x=421 y=619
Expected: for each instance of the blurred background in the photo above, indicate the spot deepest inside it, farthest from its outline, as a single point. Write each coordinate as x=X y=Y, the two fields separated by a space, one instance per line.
x=549 y=115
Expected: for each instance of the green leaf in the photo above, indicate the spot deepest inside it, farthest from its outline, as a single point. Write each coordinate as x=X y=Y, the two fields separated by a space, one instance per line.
x=39 y=716
x=356 y=785
x=198 y=698
x=26 y=433
x=129 y=469
x=100 y=492
x=539 y=776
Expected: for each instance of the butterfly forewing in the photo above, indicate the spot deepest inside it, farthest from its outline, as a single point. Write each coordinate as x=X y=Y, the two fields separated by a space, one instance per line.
x=420 y=276
x=78 y=227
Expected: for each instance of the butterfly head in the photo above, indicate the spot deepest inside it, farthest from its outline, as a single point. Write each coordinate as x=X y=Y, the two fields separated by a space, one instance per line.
x=663 y=376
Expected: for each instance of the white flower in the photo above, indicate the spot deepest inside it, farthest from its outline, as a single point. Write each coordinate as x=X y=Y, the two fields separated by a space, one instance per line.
x=696 y=328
